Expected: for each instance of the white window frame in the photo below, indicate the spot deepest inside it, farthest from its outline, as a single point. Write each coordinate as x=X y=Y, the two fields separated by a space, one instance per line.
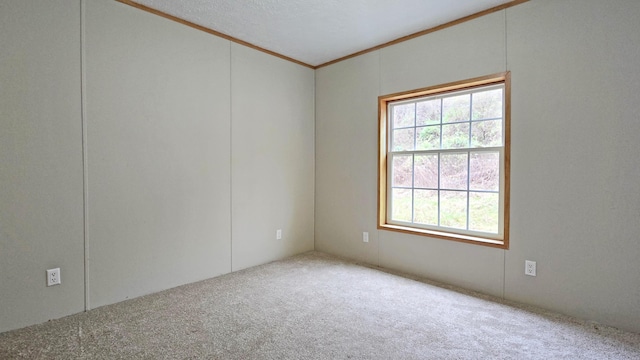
x=385 y=186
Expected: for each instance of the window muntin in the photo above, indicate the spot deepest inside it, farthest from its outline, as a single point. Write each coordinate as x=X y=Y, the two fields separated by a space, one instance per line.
x=444 y=154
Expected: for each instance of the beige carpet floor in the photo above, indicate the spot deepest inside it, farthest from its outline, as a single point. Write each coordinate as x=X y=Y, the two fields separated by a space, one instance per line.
x=315 y=306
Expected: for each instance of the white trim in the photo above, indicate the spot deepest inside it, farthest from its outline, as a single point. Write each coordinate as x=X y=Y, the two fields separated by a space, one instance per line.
x=390 y=154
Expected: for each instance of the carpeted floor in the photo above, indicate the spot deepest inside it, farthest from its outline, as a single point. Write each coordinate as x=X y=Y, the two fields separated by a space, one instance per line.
x=314 y=306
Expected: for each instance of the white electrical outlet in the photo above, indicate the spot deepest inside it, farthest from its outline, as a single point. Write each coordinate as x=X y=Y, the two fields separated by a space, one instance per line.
x=53 y=277
x=365 y=237
x=279 y=234
x=530 y=268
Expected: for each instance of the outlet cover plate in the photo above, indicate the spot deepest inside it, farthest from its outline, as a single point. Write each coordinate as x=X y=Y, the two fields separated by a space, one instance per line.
x=53 y=277
x=530 y=268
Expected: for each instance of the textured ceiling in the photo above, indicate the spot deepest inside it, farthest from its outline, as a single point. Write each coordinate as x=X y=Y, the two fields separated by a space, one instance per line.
x=318 y=31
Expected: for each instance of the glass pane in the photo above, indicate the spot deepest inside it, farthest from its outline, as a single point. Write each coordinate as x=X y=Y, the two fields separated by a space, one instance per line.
x=487 y=104
x=453 y=171
x=401 y=205
x=426 y=171
x=486 y=133
x=404 y=115
x=426 y=207
x=483 y=212
x=453 y=209
x=428 y=137
x=428 y=112
x=403 y=139
x=455 y=136
x=456 y=108
x=485 y=171
x=402 y=170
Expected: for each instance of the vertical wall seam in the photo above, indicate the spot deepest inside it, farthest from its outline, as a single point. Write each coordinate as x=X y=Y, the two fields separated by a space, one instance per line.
x=230 y=157
x=85 y=165
x=315 y=155
x=506 y=61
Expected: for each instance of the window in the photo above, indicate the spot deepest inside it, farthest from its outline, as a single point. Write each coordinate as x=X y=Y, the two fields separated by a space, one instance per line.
x=444 y=161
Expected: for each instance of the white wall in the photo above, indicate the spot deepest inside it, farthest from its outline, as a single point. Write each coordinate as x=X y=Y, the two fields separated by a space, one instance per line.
x=179 y=126
x=574 y=201
x=272 y=157
x=576 y=129
x=158 y=125
x=346 y=161
x=41 y=223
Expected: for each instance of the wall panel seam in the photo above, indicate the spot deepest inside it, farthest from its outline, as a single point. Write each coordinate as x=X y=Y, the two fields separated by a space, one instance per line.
x=230 y=156
x=85 y=164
